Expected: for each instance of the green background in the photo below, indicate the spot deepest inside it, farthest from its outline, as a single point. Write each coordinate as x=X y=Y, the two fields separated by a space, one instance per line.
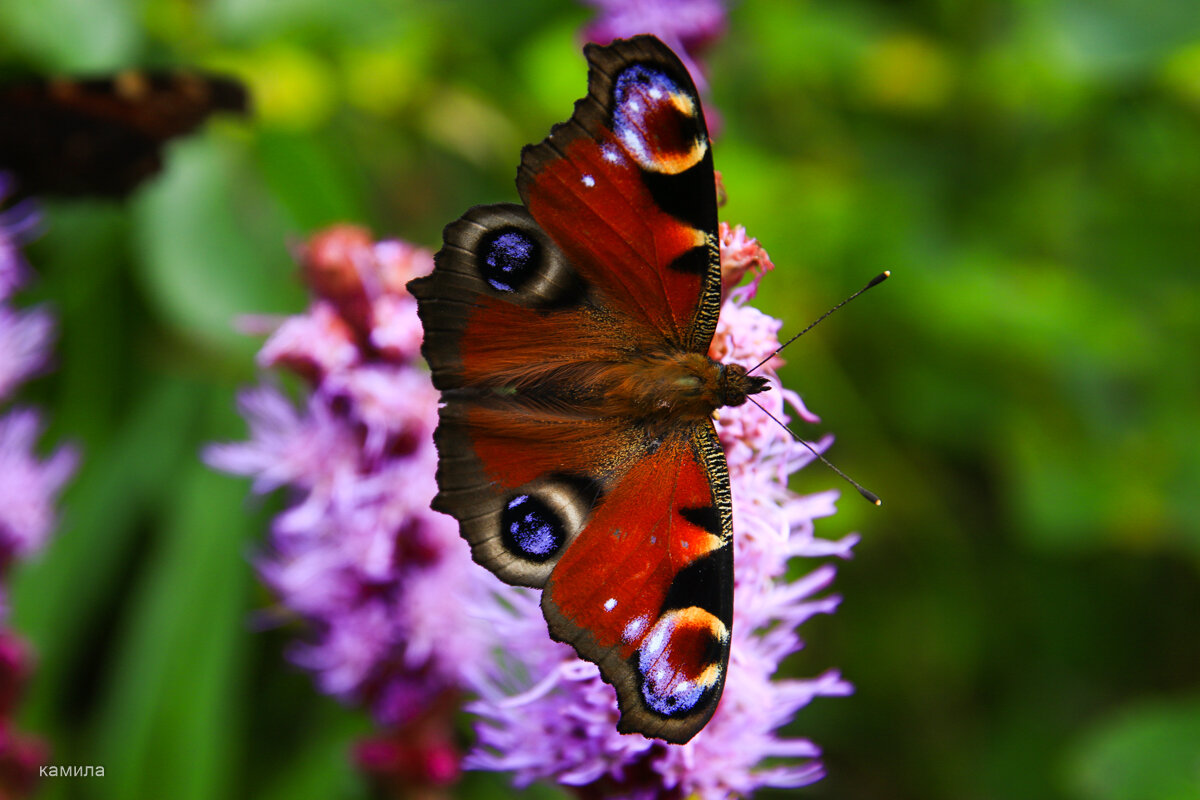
x=1020 y=619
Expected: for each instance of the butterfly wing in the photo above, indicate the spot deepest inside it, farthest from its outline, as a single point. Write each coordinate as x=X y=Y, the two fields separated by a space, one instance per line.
x=102 y=136
x=626 y=188
x=646 y=590
x=626 y=526
x=507 y=323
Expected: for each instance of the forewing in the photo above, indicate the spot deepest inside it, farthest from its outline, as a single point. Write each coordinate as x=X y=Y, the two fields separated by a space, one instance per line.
x=626 y=189
x=503 y=305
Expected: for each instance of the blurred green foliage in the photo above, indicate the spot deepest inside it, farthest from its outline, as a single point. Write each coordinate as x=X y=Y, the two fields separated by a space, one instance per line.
x=1021 y=617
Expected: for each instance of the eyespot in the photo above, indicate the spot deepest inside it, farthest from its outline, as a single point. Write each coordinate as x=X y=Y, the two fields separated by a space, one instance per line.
x=656 y=121
x=500 y=251
x=680 y=662
x=508 y=258
x=531 y=529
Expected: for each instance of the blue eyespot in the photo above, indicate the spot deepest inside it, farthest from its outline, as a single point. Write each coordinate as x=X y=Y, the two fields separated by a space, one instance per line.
x=508 y=258
x=531 y=529
x=672 y=701
x=657 y=122
x=679 y=663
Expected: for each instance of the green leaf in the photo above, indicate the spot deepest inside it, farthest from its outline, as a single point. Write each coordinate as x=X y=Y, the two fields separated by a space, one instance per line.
x=169 y=719
x=212 y=246
x=314 y=182
x=1119 y=37
x=322 y=769
x=58 y=599
x=1148 y=752
x=73 y=35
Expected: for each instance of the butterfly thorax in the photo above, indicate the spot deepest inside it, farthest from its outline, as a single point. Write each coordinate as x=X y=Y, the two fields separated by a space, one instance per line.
x=676 y=386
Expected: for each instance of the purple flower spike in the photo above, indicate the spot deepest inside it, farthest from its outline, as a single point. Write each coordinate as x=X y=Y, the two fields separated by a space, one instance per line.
x=686 y=26
x=24 y=336
x=18 y=225
x=28 y=485
x=359 y=555
x=24 y=339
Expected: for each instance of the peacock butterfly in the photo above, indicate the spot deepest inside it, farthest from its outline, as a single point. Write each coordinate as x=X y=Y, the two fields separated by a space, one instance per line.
x=569 y=337
x=102 y=136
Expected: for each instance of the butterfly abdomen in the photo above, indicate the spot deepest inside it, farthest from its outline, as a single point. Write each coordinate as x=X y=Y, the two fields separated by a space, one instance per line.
x=667 y=387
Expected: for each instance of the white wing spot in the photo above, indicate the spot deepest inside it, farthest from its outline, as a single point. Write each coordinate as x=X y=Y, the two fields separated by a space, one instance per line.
x=610 y=604
x=588 y=181
x=657 y=640
x=634 y=144
x=634 y=628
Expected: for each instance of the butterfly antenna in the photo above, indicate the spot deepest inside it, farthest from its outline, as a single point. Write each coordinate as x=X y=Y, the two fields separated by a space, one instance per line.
x=865 y=492
x=878 y=279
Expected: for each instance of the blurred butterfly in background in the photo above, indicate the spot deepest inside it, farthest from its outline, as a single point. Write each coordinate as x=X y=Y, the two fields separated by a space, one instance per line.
x=102 y=136
x=569 y=337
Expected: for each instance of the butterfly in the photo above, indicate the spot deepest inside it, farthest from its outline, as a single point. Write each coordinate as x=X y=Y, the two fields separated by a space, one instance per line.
x=102 y=136
x=569 y=337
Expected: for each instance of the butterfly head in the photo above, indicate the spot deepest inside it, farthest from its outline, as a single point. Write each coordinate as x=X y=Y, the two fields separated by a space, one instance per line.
x=736 y=384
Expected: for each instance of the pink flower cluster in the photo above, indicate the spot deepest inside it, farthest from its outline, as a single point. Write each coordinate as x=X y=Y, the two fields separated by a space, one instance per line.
x=686 y=26
x=29 y=485
x=358 y=555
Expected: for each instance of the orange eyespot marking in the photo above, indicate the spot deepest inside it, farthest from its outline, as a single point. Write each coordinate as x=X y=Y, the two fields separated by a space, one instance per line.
x=656 y=122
